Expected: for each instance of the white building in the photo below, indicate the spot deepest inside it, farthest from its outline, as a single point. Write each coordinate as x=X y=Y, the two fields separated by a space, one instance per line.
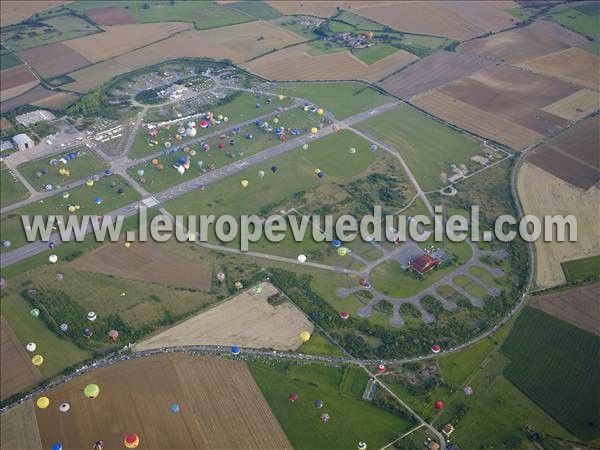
x=22 y=141
x=34 y=117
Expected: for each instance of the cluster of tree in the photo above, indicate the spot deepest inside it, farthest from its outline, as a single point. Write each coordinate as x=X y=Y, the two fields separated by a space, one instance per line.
x=388 y=190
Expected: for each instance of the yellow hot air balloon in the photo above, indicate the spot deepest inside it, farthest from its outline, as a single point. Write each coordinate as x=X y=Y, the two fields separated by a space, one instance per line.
x=281 y=97
x=71 y=209
x=127 y=244
x=342 y=251
x=37 y=360
x=314 y=130
x=305 y=108
x=304 y=336
x=77 y=207
x=43 y=402
x=320 y=111
x=275 y=120
x=244 y=183
x=91 y=391
x=89 y=183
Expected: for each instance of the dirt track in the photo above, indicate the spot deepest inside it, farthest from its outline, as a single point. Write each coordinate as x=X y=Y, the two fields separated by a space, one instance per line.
x=221 y=407
x=246 y=320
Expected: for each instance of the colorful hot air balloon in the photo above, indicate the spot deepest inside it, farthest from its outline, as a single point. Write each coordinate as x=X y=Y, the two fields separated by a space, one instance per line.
x=113 y=335
x=91 y=391
x=439 y=405
x=175 y=408
x=304 y=336
x=43 y=402
x=131 y=440
x=37 y=360
x=98 y=445
x=325 y=417
x=91 y=316
x=318 y=403
x=362 y=446
x=435 y=348
x=344 y=315
x=468 y=390
x=293 y=397
x=380 y=368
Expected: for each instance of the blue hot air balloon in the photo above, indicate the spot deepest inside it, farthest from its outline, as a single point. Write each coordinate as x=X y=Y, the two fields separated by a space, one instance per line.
x=318 y=403
x=235 y=350
x=57 y=446
x=336 y=243
x=98 y=200
x=175 y=408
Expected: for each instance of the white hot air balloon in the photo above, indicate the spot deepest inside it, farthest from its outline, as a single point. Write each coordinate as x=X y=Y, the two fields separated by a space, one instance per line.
x=301 y=258
x=53 y=259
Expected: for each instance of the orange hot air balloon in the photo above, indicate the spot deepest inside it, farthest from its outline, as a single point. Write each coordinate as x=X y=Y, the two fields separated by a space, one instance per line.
x=131 y=440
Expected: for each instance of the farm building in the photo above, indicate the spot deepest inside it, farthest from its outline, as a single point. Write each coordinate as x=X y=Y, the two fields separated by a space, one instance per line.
x=22 y=141
x=424 y=264
x=447 y=430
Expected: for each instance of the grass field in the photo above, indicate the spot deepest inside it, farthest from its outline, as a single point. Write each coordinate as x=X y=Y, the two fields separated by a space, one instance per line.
x=582 y=269
x=320 y=345
x=583 y=19
x=359 y=22
x=320 y=47
x=81 y=167
x=9 y=60
x=52 y=29
x=210 y=15
x=352 y=419
x=343 y=99
x=257 y=9
x=557 y=370
x=58 y=353
x=374 y=53
x=11 y=189
x=427 y=146
x=12 y=227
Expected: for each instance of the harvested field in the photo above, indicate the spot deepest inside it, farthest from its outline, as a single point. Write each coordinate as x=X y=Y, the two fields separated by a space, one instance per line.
x=575 y=106
x=243 y=39
x=19 y=430
x=55 y=100
x=18 y=373
x=8 y=94
x=521 y=44
x=221 y=406
x=577 y=306
x=313 y=8
x=188 y=43
x=145 y=262
x=550 y=194
x=295 y=63
x=120 y=39
x=14 y=11
x=240 y=321
x=573 y=65
x=580 y=142
x=16 y=76
x=110 y=15
x=579 y=175
x=477 y=120
x=54 y=59
x=5 y=124
x=458 y=20
x=90 y=77
x=431 y=72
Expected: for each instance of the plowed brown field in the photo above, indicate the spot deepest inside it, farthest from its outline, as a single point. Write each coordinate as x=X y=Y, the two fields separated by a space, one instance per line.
x=221 y=407
x=54 y=59
x=110 y=15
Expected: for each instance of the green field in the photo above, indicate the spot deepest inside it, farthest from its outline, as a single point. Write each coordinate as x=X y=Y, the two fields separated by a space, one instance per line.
x=11 y=189
x=237 y=108
x=8 y=61
x=359 y=22
x=585 y=269
x=375 y=53
x=81 y=167
x=58 y=353
x=320 y=345
x=558 y=370
x=209 y=15
x=257 y=9
x=49 y=30
x=583 y=19
x=321 y=47
x=352 y=419
x=343 y=99
x=12 y=227
x=428 y=147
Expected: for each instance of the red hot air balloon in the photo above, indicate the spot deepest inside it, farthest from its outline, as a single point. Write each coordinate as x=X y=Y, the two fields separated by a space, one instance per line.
x=293 y=397
x=439 y=405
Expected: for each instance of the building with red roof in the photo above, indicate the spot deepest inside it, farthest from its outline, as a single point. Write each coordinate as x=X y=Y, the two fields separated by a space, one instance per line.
x=424 y=264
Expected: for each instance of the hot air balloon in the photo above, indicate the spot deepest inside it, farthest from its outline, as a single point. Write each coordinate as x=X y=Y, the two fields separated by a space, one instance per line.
x=175 y=408
x=238 y=285
x=64 y=407
x=261 y=173
x=468 y=390
x=352 y=150
x=325 y=417
x=314 y=130
x=89 y=183
x=336 y=243
x=362 y=446
x=342 y=251
x=6 y=244
x=127 y=244
x=91 y=391
x=98 y=200
x=63 y=327
x=113 y=335
x=31 y=346
x=305 y=147
x=344 y=315
x=98 y=445
x=154 y=162
x=34 y=312
x=221 y=145
x=293 y=397
x=435 y=348
x=235 y=350
x=221 y=277
x=301 y=258
x=380 y=368
x=91 y=316
x=320 y=111
x=305 y=108
x=304 y=336
x=37 y=360
x=374 y=147
x=71 y=209
x=280 y=97
x=273 y=169
x=43 y=402
x=53 y=259
x=57 y=446
x=439 y=405
x=65 y=195
x=275 y=120
x=244 y=183
x=87 y=333
x=131 y=440
x=141 y=172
